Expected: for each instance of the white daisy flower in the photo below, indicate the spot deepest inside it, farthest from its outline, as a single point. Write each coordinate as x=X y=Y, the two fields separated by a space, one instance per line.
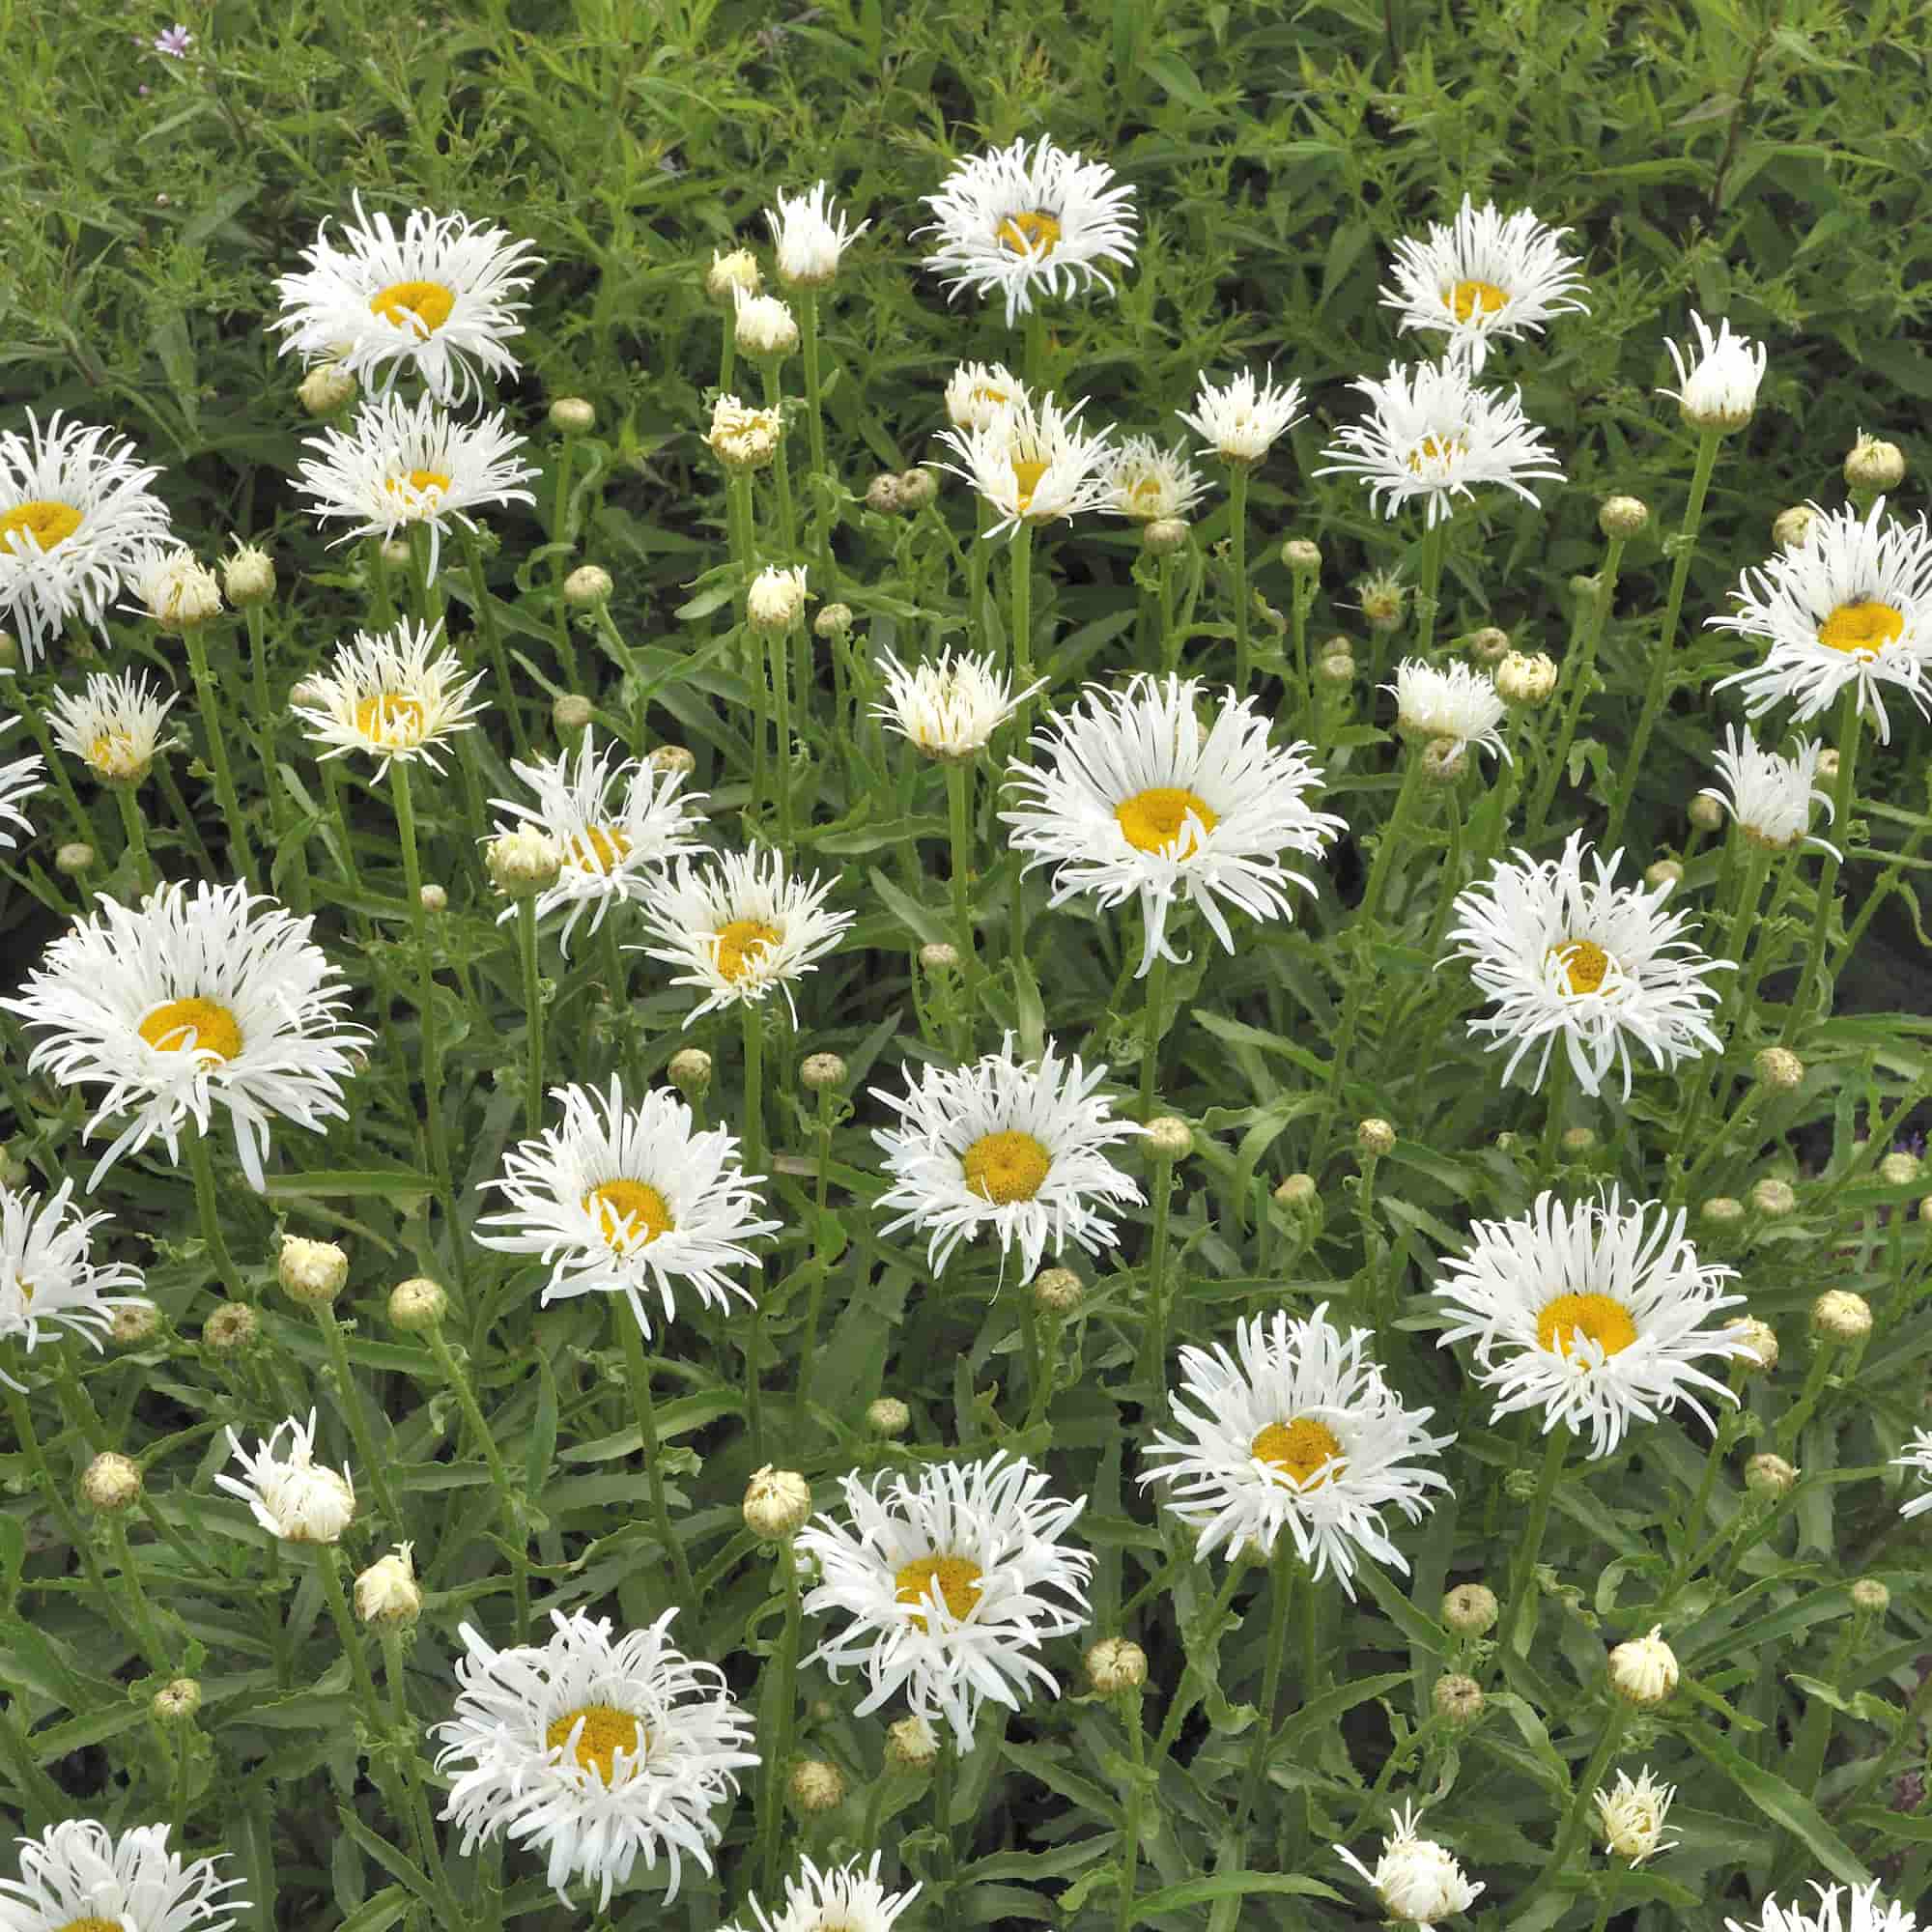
x=75 y=510
x=629 y=1201
x=762 y=325
x=78 y=1876
x=113 y=725
x=1006 y=1146
x=48 y=1276
x=844 y=1898
x=1457 y=702
x=1149 y=483
x=1595 y=965
x=396 y=466
x=1592 y=1312
x=1849 y=607
x=1630 y=1820
x=980 y=391
x=187 y=1002
x=385 y=694
x=176 y=589
x=1416 y=1880
x=1867 y=1913
x=740 y=925
x=949 y=1581
x=1298 y=1430
x=1919 y=1459
x=1431 y=433
x=593 y=1751
x=1015 y=223
x=610 y=824
x=1137 y=799
x=950 y=707
x=1241 y=419
x=439 y=299
x=289 y=1496
x=20 y=778
x=1770 y=797
x=1032 y=463
x=809 y=237
x=1484 y=276
x=1718 y=386
x=742 y=437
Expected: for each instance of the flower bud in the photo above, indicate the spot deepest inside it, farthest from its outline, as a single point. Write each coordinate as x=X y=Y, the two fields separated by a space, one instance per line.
x=1578 y=1140
x=1623 y=516
x=395 y=553
x=1337 y=667
x=766 y=326
x=1168 y=1137
x=1058 y=1290
x=1299 y=1193
x=887 y=1416
x=572 y=416
x=1779 y=1067
x=1302 y=557
x=1790 y=527
x=387 y=1592
x=417 y=1304
x=731 y=273
x=911 y=1744
x=834 y=620
x=816 y=1786
x=522 y=864
x=1828 y=766
x=1706 y=814
x=1443 y=760
x=176 y=1701
x=326 y=389
x=589 y=583
x=672 y=761
x=571 y=712
x=884 y=494
x=1665 y=873
x=135 y=1321
x=690 y=1071
x=1773 y=1198
x=232 y=1325
x=1644 y=1672
x=778 y=1503
x=311 y=1273
x=1490 y=646
x=1374 y=1137
x=776 y=599
x=1584 y=588
x=74 y=857
x=248 y=576
x=1871 y=1597
x=1874 y=464
x=1526 y=679
x=1383 y=598
x=1898 y=1170
x=110 y=1483
x=937 y=956
x=1721 y=1212
x=1458 y=1698
x=1164 y=535
x=917 y=488
x=820 y=1070
x=1470 y=1610
x=1115 y=1664
x=434 y=898
x=1760 y=1342
x=1770 y=1476
x=1840 y=1315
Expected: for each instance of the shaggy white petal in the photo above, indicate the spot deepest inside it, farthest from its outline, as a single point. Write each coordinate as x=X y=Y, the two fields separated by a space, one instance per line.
x=48 y=1276
x=79 y=1873
x=1917 y=1458
x=1032 y=463
x=1770 y=797
x=842 y=1899
x=387 y=695
x=113 y=725
x=1417 y=1881
x=1866 y=1912
x=289 y=1495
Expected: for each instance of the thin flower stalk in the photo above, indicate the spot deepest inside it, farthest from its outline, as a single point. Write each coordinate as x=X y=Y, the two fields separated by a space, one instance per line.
x=1844 y=792
x=426 y=1007
x=1578 y=666
x=241 y=853
x=637 y=1371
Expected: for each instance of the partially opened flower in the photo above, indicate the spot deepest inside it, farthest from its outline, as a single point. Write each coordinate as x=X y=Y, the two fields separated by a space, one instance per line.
x=439 y=299
x=950 y=1582
x=1240 y=420
x=1630 y=1820
x=113 y=725
x=1136 y=798
x=397 y=466
x=629 y=1199
x=1865 y=1911
x=1455 y=703
x=394 y=694
x=1004 y=1145
x=1586 y=963
x=48 y=1276
x=612 y=825
x=1917 y=1458
x=1718 y=384
x=188 y=1002
x=20 y=778
x=1032 y=463
x=175 y=587
x=1431 y=433
x=948 y=708
x=1485 y=276
x=811 y=237
x=75 y=513
x=842 y=1899
x=593 y=1751
x=1849 y=609
x=1018 y=223
x=289 y=1494
x=1297 y=1431
x=79 y=1874
x=1594 y=1312
x=1770 y=797
x=742 y=437
x=979 y=392
x=1149 y=483
x=1416 y=1880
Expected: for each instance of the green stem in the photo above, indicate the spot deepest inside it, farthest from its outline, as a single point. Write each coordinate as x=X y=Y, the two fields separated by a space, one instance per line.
x=1843 y=794
x=1170 y=632
x=1022 y=563
x=209 y=699
x=493 y=638
x=776 y=1730
x=206 y=1200
x=1154 y=1356
x=1578 y=666
x=781 y=644
x=405 y=1726
x=1519 y=1618
x=559 y=562
x=1281 y=1598
x=943 y=1772
x=807 y=335
x=781 y=464
x=1567 y=1837
x=752 y=1155
x=1130 y=1839
x=346 y=1628
x=533 y=1014
x=432 y=1042
x=1391 y=836
x=959 y=803
x=510 y=1496
x=374 y=1465
x=137 y=835
x=979 y=606
x=1193 y=1677
x=1237 y=557
x=638 y=1372
x=1435 y=540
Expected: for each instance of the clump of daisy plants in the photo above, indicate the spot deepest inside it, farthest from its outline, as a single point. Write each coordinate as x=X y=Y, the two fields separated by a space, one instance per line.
x=1099 y=1190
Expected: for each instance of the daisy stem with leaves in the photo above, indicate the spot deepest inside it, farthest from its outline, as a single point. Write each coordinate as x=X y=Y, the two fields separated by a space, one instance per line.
x=807 y=297
x=239 y=852
x=1684 y=546
x=1392 y=835
x=83 y=826
x=1237 y=558
x=1129 y=1702
x=781 y=461
x=1152 y=1029
x=402 y=1725
x=432 y=1040
x=279 y=801
x=533 y=1014
x=781 y=649
x=1428 y=591
x=1519 y=1612
x=349 y=1394
x=1844 y=793
x=1281 y=1599
x=136 y=833
x=774 y=1725
x=559 y=561
x=743 y=552
x=1587 y=1783
x=202 y=1164
x=492 y=638
x=1578 y=665
x=959 y=803
x=637 y=1371
x=1154 y=1358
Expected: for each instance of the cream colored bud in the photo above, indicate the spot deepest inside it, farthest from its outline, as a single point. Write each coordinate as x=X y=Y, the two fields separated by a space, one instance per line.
x=1840 y=1315
x=1337 y=667
x=1490 y=646
x=776 y=599
x=1871 y=1597
x=589 y=583
x=1299 y=1193
x=232 y=1325
x=326 y=389
x=417 y=1304
x=1526 y=678
x=572 y=711
x=884 y=494
x=1774 y=1198
x=1760 y=1340
x=766 y=326
x=176 y=1702
x=434 y=898
x=1586 y=587
x=816 y=1786
x=110 y=1483
x=690 y=1071
x=180 y=594
x=1059 y=1290
x=1383 y=599
x=1667 y=873
x=1302 y=557
x=1790 y=527
x=1115 y=1664
x=744 y=439
x=1706 y=814
x=911 y=1744
x=1828 y=766
x=1470 y=1610
x=387 y=1592
x=1443 y=760
x=311 y=1271
x=248 y=576
x=572 y=416
x=1779 y=1067
x=917 y=488
x=1899 y=1170
x=1168 y=1137
x=1578 y=1140
x=1644 y=1672
x=135 y=1321
x=75 y=858
x=778 y=1503
x=887 y=1416
x=395 y=553
x=1874 y=465
x=1770 y=1476
x=834 y=620
x=1623 y=516
x=1164 y=535
x=820 y=1070
x=1374 y=1137
x=1721 y=1212
x=937 y=956
x=522 y=864
x=731 y=272
x=1458 y=1698
x=672 y=761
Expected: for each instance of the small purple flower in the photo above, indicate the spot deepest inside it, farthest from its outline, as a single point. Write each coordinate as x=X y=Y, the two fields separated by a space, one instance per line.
x=174 y=42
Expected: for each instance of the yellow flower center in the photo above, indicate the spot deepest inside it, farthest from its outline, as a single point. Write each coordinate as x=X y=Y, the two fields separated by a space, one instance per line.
x=606 y=1732
x=416 y=485
x=1862 y=630
x=1469 y=298
x=1151 y=821
x=1576 y=1318
x=1027 y=474
x=739 y=943
x=1030 y=232
x=1145 y=496
x=390 y=718
x=1302 y=1449
x=1584 y=963
x=599 y=849
x=958 y=1578
x=1439 y=450
x=1006 y=1167
x=114 y=756
x=46 y=523
x=992 y=398
x=91 y=1924
x=630 y=1213
x=197 y=1024
x=421 y=307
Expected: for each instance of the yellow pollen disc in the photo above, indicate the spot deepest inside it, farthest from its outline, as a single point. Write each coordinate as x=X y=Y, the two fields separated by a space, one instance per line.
x=993 y=398
x=606 y=1732
x=1302 y=1449
x=630 y=1213
x=1595 y=1317
x=1146 y=493
x=1006 y=1167
x=1584 y=963
x=1027 y=474
x=1438 y=449
x=958 y=1578
x=46 y=523
x=600 y=848
x=1030 y=232
x=417 y=483
x=113 y=754
x=1470 y=298
x=200 y=1024
x=1152 y=820
x=420 y=306
x=390 y=720
x=1862 y=630
x=92 y=1924
x=739 y=943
